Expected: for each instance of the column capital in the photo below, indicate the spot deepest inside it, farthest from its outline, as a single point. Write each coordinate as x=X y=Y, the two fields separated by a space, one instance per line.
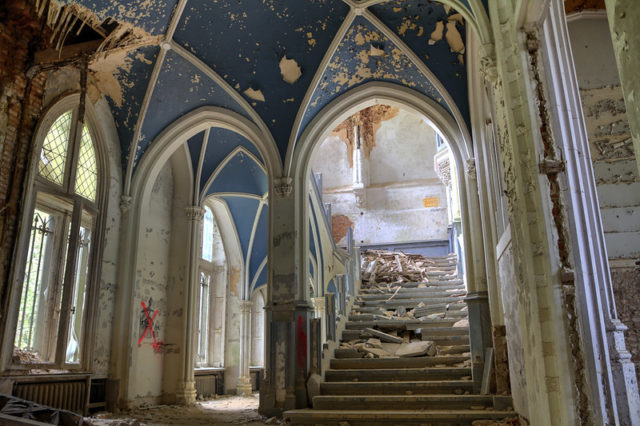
x=488 y=66
x=245 y=305
x=470 y=168
x=283 y=186
x=195 y=213
x=125 y=203
x=319 y=303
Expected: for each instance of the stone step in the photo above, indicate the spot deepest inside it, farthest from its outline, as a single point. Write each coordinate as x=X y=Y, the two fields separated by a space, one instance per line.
x=370 y=417
x=421 y=387
x=396 y=325
x=377 y=363
x=397 y=374
x=347 y=353
x=416 y=290
x=427 y=295
x=442 y=331
x=454 y=350
x=417 y=284
x=407 y=303
x=379 y=317
x=402 y=402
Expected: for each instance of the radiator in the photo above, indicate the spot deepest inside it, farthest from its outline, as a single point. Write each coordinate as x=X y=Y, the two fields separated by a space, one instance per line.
x=206 y=385
x=64 y=395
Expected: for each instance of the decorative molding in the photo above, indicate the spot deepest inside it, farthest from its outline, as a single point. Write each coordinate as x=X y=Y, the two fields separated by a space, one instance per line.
x=195 y=213
x=470 y=168
x=125 y=203
x=283 y=187
x=488 y=66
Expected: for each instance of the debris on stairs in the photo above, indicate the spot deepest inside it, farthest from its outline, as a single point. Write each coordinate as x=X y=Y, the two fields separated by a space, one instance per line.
x=404 y=357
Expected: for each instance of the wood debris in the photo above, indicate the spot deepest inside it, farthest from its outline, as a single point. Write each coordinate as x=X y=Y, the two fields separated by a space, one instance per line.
x=405 y=297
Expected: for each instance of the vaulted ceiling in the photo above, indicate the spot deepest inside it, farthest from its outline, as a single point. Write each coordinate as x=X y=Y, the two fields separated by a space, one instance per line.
x=278 y=63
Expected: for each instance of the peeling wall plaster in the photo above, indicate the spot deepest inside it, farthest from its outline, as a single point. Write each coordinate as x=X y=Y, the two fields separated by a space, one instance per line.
x=611 y=147
x=152 y=281
x=401 y=176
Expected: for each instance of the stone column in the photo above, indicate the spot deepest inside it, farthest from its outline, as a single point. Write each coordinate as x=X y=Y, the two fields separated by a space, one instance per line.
x=624 y=16
x=244 y=380
x=477 y=298
x=286 y=312
x=186 y=392
x=319 y=307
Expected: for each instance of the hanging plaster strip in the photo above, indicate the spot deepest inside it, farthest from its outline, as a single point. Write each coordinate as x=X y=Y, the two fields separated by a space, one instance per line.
x=164 y=47
x=199 y=64
x=348 y=20
x=422 y=67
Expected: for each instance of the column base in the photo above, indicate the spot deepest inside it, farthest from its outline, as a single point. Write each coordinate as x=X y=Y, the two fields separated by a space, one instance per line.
x=244 y=386
x=186 y=393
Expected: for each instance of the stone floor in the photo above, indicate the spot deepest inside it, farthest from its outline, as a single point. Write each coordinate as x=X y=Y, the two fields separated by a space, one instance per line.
x=222 y=411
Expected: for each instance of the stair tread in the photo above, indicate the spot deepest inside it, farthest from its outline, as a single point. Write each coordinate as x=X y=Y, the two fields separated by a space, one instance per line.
x=370 y=363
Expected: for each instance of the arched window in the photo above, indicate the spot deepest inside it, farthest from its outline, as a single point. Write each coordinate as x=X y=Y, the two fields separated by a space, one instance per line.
x=59 y=261
x=212 y=295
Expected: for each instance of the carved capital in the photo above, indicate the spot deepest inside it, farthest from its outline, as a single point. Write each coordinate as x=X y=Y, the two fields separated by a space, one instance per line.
x=125 y=203
x=195 y=213
x=319 y=303
x=283 y=187
x=488 y=66
x=470 y=168
x=245 y=306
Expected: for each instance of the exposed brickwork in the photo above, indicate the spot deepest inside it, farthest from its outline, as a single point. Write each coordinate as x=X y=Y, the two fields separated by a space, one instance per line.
x=626 y=284
x=21 y=34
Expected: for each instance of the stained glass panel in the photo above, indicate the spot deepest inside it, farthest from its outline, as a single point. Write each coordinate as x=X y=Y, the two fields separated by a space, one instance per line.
x=54 y=149
x=86 y=172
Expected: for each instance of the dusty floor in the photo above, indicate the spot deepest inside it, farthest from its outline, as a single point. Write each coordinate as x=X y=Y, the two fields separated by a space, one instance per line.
x=225 y=410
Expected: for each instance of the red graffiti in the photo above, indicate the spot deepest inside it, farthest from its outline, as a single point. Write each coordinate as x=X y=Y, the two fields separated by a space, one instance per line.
x=302 y=343
x=157 y=345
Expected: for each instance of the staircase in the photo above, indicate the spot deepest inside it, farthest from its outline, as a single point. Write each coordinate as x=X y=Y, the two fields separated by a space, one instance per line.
x=368 y=383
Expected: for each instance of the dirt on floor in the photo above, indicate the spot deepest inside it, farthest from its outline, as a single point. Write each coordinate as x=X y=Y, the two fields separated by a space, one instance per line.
x=239 y=410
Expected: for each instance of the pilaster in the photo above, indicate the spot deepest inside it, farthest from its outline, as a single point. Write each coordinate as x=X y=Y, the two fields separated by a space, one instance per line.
x=286 y=311
x=186 y=392
x=319 y=306
x=244 y=379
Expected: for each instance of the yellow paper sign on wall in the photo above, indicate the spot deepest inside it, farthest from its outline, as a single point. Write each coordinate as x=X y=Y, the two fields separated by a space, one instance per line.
x=431 y=201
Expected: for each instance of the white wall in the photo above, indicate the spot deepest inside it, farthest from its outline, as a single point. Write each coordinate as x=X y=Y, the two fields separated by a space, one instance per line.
x=153 y=277
x=401 y=177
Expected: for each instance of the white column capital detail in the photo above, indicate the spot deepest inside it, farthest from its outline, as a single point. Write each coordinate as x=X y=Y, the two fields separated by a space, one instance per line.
x=319 y=303
x=195 y=213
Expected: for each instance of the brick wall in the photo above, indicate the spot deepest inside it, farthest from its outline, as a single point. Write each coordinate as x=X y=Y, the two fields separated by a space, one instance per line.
x=21 y=34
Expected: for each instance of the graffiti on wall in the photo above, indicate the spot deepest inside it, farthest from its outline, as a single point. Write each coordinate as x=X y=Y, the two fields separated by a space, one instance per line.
x=148 y=327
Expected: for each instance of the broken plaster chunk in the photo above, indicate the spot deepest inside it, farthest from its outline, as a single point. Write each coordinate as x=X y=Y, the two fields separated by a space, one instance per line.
x=374 y=343
x=375 y=51
x=436 y=35
x=420 y=348
x=461 y=323
x=380 y=353
x=384 y=336
x=256 y=95
x=290 y=70
x=454 y=38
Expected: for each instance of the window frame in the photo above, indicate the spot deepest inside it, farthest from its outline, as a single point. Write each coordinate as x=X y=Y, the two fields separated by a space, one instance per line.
x=35 y=184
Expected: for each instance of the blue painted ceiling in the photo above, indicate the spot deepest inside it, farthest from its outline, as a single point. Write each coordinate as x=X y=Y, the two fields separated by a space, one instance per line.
x=222 y=48
x=242 y=42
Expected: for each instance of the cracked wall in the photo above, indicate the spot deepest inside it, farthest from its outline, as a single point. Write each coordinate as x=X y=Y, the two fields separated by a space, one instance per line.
x=614 y=165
